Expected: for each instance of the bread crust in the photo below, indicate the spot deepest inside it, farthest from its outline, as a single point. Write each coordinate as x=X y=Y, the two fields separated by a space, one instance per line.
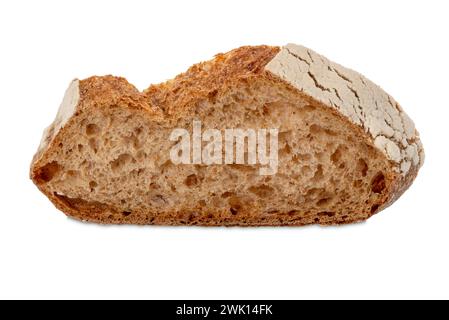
x=174 y=99
x=356 y=97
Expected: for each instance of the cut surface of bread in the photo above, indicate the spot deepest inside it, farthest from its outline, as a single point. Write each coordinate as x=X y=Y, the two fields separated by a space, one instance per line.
x=345 y=148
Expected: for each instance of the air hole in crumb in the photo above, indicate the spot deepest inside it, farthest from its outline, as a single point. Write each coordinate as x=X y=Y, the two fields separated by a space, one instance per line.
x=378 y=183
x=226 y=108
x=307 y=108
x=319 y=156
x=362 y=167
x=47 y=172
x=191 y=180
x=158 y=200
x=132 y=140
x=374 y=208
x=234 y=211
x=326 y=214
x=235 y=203
x=166 y=166
x=336 y=156
x=154 y=185
x=304 y=157
x=212 y=96
x=72 y=174
x=126 y=213
x=357 y=183
x=265 y=110
x=262 y=191
x=305 y=170
x=318 y=130
x=314 y=193
x=202 y=203
x=248 y=91
x=315 y=129
x=80 y=148
x=284 y=136
x=93 y=144
x=285 y=150
x=227 y=194
x=323 y=202
x=141 y=155
x=237 y=97
x=92 y=185
x=318 y=176
x=120 y=162
x=242 y=167
x=92 y=129
x=138 y=130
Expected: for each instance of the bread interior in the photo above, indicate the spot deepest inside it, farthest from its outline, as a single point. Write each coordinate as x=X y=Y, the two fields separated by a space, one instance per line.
x=118 y=159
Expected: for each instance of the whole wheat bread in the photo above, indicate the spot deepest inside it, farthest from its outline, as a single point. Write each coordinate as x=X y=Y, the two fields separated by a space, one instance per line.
x=346 y=148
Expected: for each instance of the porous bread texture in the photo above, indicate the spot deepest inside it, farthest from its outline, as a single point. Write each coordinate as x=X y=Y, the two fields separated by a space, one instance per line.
x=108 y=160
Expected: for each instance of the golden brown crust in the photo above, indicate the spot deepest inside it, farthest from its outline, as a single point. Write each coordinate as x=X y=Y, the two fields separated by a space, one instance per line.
x=207 y=79
x=171 y=100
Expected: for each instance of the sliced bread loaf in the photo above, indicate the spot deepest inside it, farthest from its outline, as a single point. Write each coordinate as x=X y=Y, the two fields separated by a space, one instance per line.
x=331 y=147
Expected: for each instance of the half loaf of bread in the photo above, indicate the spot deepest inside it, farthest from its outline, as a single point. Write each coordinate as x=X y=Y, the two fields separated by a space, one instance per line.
x=345 y=148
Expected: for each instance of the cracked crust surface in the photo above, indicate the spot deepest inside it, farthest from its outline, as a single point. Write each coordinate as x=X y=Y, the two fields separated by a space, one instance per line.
x=356 y=97
x=348 y=94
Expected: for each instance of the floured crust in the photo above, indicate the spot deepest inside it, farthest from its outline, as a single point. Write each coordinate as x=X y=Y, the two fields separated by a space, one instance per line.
x=360 y=100
x=65 y=112
x=176 y=98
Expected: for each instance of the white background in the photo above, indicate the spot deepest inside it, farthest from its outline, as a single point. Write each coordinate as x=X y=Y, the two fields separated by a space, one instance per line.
x=400 y=253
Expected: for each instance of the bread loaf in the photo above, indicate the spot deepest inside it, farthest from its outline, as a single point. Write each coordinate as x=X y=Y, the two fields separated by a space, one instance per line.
x=314 y=142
